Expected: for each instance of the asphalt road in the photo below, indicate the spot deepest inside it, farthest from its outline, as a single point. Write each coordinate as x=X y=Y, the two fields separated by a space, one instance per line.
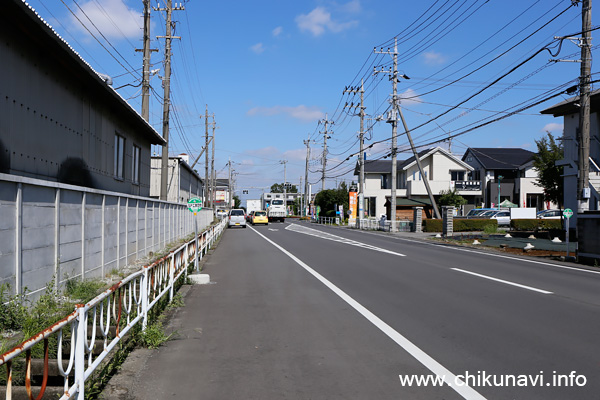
x=298 y=311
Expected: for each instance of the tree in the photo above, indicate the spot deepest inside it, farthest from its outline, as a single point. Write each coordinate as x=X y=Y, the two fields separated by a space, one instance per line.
x=236 y=201
x=328 y=199
x=278 y=188
x=549 y=174
x=451 y=198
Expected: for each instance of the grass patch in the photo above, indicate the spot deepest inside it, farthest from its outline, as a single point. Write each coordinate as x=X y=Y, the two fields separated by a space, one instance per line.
x=83 y=291
x=12 y=309
x=153 y=336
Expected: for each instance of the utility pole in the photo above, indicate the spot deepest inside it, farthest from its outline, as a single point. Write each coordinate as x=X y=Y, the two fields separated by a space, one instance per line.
x=393 y=119
x=325 y=137
x=284 y=162
x=307 y=144
x=229 y=198
x=300 y=198
x=167 y=87
x=212 y=170
x=146 y=63
x=361 y=157
x=583 y=179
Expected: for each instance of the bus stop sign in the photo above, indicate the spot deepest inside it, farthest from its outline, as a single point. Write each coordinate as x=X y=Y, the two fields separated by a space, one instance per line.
x=195 y=204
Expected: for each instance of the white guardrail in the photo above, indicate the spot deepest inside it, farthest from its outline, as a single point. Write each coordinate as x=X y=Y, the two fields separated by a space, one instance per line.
x=123 y=305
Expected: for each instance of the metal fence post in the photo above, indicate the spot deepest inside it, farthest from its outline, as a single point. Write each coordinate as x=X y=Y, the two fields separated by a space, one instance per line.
x=145 y=295
x=80 y=352
x=171 y=276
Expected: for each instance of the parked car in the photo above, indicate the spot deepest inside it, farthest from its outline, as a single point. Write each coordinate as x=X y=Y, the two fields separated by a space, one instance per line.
x=476 y=212
x=549 y=214
x=221 y=213
x=237 y=217
x=503 y=217
x=259 y=217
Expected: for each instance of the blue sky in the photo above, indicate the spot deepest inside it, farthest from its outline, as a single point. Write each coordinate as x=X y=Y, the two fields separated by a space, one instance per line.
x=270 y=70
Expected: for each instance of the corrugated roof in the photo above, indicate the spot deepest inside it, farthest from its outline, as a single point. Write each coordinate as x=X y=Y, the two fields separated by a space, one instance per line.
x=500 y=158
x=76 y=57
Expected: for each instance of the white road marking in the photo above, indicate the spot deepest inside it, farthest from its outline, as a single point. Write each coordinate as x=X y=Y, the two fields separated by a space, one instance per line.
x=451 y=380
x=456 y=248
x=503 y=281
x=273 y=230
x=328 y=236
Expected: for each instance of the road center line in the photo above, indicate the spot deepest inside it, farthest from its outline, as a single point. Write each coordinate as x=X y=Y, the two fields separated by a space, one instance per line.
x=451 y=380
x=503 y=281
x=329 y=236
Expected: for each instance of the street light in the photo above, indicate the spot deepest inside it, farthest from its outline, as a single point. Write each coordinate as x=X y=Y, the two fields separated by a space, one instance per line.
x=499 y=180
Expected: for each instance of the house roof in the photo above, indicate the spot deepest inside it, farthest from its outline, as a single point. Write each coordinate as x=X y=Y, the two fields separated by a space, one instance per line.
x=384 y=166
x=41 y=32
x=500 y=158
x=570 y=105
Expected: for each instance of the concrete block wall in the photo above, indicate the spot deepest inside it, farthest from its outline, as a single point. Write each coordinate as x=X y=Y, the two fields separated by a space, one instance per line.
x=48 y=229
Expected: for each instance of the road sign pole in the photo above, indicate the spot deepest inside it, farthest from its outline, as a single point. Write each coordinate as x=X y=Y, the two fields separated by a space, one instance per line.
x=196 y=238
x=567 y=236
x=195 y=205
x=567 y=213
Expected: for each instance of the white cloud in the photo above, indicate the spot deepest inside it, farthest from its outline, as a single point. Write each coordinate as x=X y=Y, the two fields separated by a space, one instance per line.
x=301 y=112
x=277 y=31
x=409 y=96
x=295 y=155
x=319 y=20
x=433 y=58
x=553 y=127
x=257 y=48
x=111 y=17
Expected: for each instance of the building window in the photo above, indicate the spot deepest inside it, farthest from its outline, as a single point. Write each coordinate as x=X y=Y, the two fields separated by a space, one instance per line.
x=457 y=175
x=401 y=184
x=135 y=169
x=370 y=206
x=385 y=181
x=119 y=156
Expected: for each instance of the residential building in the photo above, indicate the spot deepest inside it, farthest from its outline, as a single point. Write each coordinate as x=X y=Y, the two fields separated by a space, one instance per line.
x=569 y=110
x=505 y=174
x=60 y=120
x=183 y=182
x=443 y=170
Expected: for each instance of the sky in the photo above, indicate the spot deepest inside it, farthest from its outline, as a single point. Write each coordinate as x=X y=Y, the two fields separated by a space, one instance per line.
x=272 y=71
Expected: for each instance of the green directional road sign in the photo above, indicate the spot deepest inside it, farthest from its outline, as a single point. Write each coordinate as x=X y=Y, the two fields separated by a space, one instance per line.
x=195 y=204
x=568 y=213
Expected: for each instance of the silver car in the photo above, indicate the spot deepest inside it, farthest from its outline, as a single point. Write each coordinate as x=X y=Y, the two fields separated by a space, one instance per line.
x=237 y=217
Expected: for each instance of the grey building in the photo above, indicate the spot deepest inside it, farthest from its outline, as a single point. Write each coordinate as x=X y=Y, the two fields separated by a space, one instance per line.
x=62 y=121
x=183 y=182
x=507 y=172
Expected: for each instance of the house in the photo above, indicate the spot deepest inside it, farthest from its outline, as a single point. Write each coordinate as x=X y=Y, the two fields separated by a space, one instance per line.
x=443 y=170
x=569 y=110
x=60 y=120
x=507 y=172
x=183 y=182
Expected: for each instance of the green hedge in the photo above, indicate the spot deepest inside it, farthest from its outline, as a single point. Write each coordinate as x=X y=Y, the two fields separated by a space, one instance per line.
x=535 y=224
x=460 y=225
